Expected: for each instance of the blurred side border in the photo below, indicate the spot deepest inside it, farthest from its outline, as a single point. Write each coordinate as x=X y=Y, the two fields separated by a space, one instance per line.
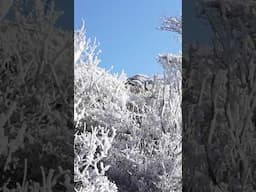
x=36 y=95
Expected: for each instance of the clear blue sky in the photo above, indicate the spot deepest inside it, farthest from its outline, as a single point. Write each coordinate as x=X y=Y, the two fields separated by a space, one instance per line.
x=127 y=32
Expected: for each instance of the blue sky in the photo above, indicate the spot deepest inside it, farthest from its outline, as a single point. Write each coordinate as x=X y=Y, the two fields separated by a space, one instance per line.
x=127 y=32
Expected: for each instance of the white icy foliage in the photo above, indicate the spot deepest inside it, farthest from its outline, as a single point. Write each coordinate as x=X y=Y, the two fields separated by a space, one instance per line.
x=128 y=129
x=85 y=50
x=92 y=143
x=172 y=24
x=172 y=68
x=88 y=176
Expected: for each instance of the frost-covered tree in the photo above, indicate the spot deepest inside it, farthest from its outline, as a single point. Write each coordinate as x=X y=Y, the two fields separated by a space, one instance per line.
x=171 y=107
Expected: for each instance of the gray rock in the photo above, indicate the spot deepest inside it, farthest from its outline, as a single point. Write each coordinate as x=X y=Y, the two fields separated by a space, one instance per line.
x=140 y=81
